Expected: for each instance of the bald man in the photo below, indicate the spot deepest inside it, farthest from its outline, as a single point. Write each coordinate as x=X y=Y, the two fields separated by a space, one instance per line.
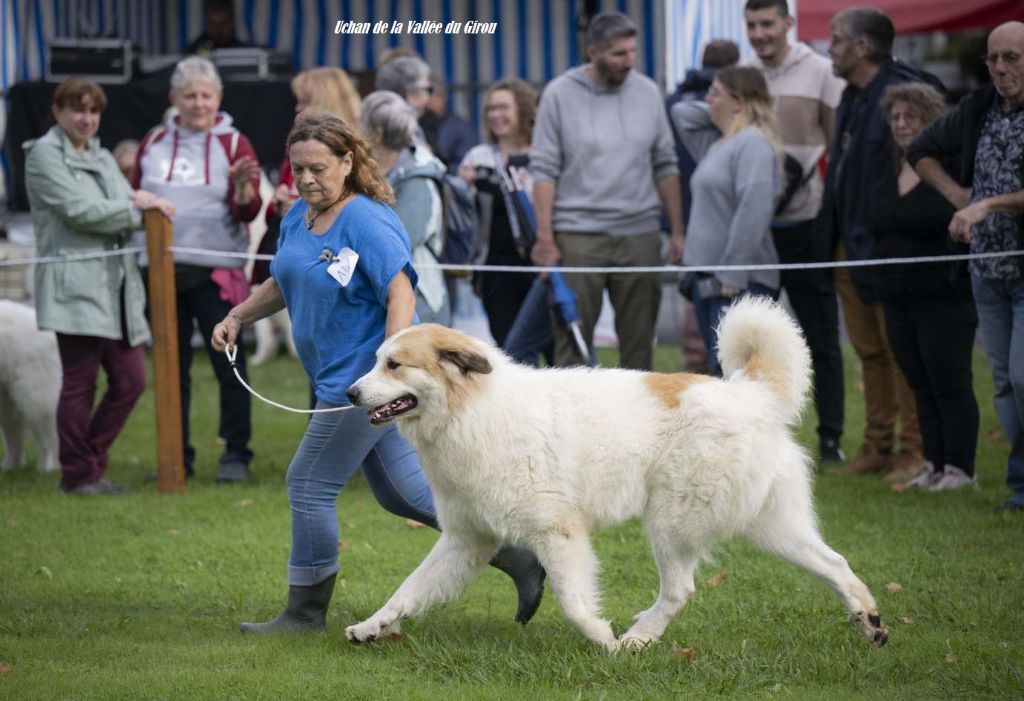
x=985 y=136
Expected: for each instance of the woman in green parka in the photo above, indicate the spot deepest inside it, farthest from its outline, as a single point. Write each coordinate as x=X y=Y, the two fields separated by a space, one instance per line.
x=81 y=204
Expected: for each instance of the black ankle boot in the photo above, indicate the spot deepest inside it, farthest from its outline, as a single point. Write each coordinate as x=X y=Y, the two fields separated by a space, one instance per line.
x=527 y=574
x=306 y=611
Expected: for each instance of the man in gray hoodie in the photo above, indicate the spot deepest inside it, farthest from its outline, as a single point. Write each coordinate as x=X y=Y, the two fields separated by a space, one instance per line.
x=604 y=165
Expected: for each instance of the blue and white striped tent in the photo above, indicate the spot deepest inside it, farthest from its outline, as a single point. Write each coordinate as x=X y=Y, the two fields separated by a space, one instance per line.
x=533 y=39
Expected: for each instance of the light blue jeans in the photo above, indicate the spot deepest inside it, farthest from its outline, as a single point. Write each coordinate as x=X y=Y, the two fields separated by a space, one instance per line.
x=333 y=447
x=1001 y=317
x=709 y=311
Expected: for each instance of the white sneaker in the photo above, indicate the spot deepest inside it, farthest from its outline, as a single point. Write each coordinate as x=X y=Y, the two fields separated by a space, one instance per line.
x=928 y=478
x=954 y=478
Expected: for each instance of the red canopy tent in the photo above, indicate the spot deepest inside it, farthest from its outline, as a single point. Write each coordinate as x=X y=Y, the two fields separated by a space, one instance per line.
x=911 y=16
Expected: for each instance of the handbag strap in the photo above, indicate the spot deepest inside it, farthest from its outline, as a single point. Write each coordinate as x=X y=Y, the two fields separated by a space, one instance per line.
x=506 y=186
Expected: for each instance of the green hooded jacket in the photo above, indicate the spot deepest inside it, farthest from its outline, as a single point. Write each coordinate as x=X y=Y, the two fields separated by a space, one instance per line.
x=81 y=203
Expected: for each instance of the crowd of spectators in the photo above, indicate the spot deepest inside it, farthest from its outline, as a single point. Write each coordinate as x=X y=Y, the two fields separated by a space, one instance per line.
x=792 y=157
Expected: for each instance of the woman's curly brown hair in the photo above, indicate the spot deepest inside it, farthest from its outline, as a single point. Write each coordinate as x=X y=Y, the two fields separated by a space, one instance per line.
x=341 y=137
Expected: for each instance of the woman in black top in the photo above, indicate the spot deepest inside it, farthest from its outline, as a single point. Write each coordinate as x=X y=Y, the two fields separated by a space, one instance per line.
x=929 y=314
x=497 y=169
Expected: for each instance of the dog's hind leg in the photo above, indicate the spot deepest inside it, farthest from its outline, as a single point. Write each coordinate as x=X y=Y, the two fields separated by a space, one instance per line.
x=572 y=571
x=452 y=563
x=791 y=534
x=676 y=566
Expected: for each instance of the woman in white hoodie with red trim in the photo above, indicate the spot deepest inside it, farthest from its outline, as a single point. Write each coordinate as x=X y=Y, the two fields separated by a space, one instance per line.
x=208 y=169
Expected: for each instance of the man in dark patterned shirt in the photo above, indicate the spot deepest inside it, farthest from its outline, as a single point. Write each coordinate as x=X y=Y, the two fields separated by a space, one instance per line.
x=986 y=134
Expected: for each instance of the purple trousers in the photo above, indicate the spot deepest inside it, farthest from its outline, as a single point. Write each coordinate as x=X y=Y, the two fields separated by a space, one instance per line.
x=86 y=434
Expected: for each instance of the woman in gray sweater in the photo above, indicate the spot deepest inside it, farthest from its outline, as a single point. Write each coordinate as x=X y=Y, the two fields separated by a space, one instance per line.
x=734 y=188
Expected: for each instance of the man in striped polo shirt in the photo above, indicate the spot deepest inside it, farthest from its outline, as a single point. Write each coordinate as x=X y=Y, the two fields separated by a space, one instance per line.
x=806 y=94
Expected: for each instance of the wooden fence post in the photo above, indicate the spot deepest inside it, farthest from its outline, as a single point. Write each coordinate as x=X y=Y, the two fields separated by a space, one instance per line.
x=163 y=321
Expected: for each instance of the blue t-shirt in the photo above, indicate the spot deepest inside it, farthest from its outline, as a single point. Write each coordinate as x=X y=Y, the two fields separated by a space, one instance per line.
x=338 y=328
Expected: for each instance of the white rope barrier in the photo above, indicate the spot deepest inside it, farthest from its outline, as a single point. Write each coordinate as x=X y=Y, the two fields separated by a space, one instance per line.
x=43 y=260
x=871 y=262
x=538 y=268
x=232 y=352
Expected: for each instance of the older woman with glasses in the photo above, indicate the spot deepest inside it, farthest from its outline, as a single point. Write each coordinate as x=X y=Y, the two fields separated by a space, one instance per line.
x=930 y=318
x=415 y=175
x=409 y=77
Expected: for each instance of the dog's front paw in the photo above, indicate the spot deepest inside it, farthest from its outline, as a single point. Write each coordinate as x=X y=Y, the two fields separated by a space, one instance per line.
x=371 y=629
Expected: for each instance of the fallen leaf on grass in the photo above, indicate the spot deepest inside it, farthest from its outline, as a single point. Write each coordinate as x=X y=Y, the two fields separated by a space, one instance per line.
x=395 y=638
x=412 y=523
x=950 y=658
x=684 y=653
x=994 y=435
x=342 y=545
x=12 y=522
x=899 y=487
x=717 y=579
x=173 y=531
x=243 y=503
x=4 y=668
x=907 y=620
x=45 y=571
x=894 y=586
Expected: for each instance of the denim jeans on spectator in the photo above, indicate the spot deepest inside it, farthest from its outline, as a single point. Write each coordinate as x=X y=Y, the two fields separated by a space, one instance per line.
x=333 y=447
x=1001 y=317
x=531 y=334
x=710 y=309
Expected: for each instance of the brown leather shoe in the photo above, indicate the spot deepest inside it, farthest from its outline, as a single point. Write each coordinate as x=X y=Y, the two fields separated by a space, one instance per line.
x=870 y=461
x=906 y=466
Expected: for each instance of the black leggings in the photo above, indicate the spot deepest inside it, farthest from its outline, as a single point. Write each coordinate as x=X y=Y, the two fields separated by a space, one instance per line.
x=933 y=341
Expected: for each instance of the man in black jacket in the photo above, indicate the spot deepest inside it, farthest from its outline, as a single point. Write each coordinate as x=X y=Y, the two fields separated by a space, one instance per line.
x=985 y=134
x=862 y=155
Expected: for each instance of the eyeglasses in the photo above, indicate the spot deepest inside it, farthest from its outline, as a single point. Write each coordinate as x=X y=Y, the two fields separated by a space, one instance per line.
x=429 y=89
x=909 y=117
x=1010 y=58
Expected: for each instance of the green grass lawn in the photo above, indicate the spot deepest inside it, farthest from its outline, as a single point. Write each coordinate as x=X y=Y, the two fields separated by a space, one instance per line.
x=140 y=596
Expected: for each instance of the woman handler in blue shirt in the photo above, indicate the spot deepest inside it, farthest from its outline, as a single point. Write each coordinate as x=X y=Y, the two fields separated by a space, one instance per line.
x=343 y=269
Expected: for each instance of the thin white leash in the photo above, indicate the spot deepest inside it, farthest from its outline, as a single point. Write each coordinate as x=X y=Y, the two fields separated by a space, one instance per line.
x=232 y=351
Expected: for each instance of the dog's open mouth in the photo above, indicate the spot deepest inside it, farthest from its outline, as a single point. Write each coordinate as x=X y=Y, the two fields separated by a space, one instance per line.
x=386 y=412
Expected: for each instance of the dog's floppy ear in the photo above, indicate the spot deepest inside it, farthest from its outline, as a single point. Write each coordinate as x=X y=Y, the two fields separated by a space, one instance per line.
x=465 y=360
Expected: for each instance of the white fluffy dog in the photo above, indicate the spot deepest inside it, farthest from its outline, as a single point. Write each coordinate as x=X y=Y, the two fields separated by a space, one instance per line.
x=543 y=458
x=30 y=377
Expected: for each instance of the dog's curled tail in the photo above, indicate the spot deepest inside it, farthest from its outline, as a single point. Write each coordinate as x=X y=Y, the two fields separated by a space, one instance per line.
x=758 y=340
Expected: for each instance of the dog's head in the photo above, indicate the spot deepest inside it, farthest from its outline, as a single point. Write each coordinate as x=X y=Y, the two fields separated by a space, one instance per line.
x=426 y=368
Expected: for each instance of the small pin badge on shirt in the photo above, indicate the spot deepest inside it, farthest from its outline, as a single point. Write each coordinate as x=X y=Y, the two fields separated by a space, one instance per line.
x=326 y=256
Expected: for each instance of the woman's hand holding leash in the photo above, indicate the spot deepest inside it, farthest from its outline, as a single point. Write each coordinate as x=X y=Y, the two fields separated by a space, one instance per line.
x=226 y=332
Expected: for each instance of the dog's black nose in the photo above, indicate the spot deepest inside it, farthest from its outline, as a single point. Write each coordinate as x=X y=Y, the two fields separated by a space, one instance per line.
x=353 y=394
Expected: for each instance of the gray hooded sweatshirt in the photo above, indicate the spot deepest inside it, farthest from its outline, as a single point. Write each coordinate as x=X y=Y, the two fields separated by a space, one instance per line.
x=604 y=148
